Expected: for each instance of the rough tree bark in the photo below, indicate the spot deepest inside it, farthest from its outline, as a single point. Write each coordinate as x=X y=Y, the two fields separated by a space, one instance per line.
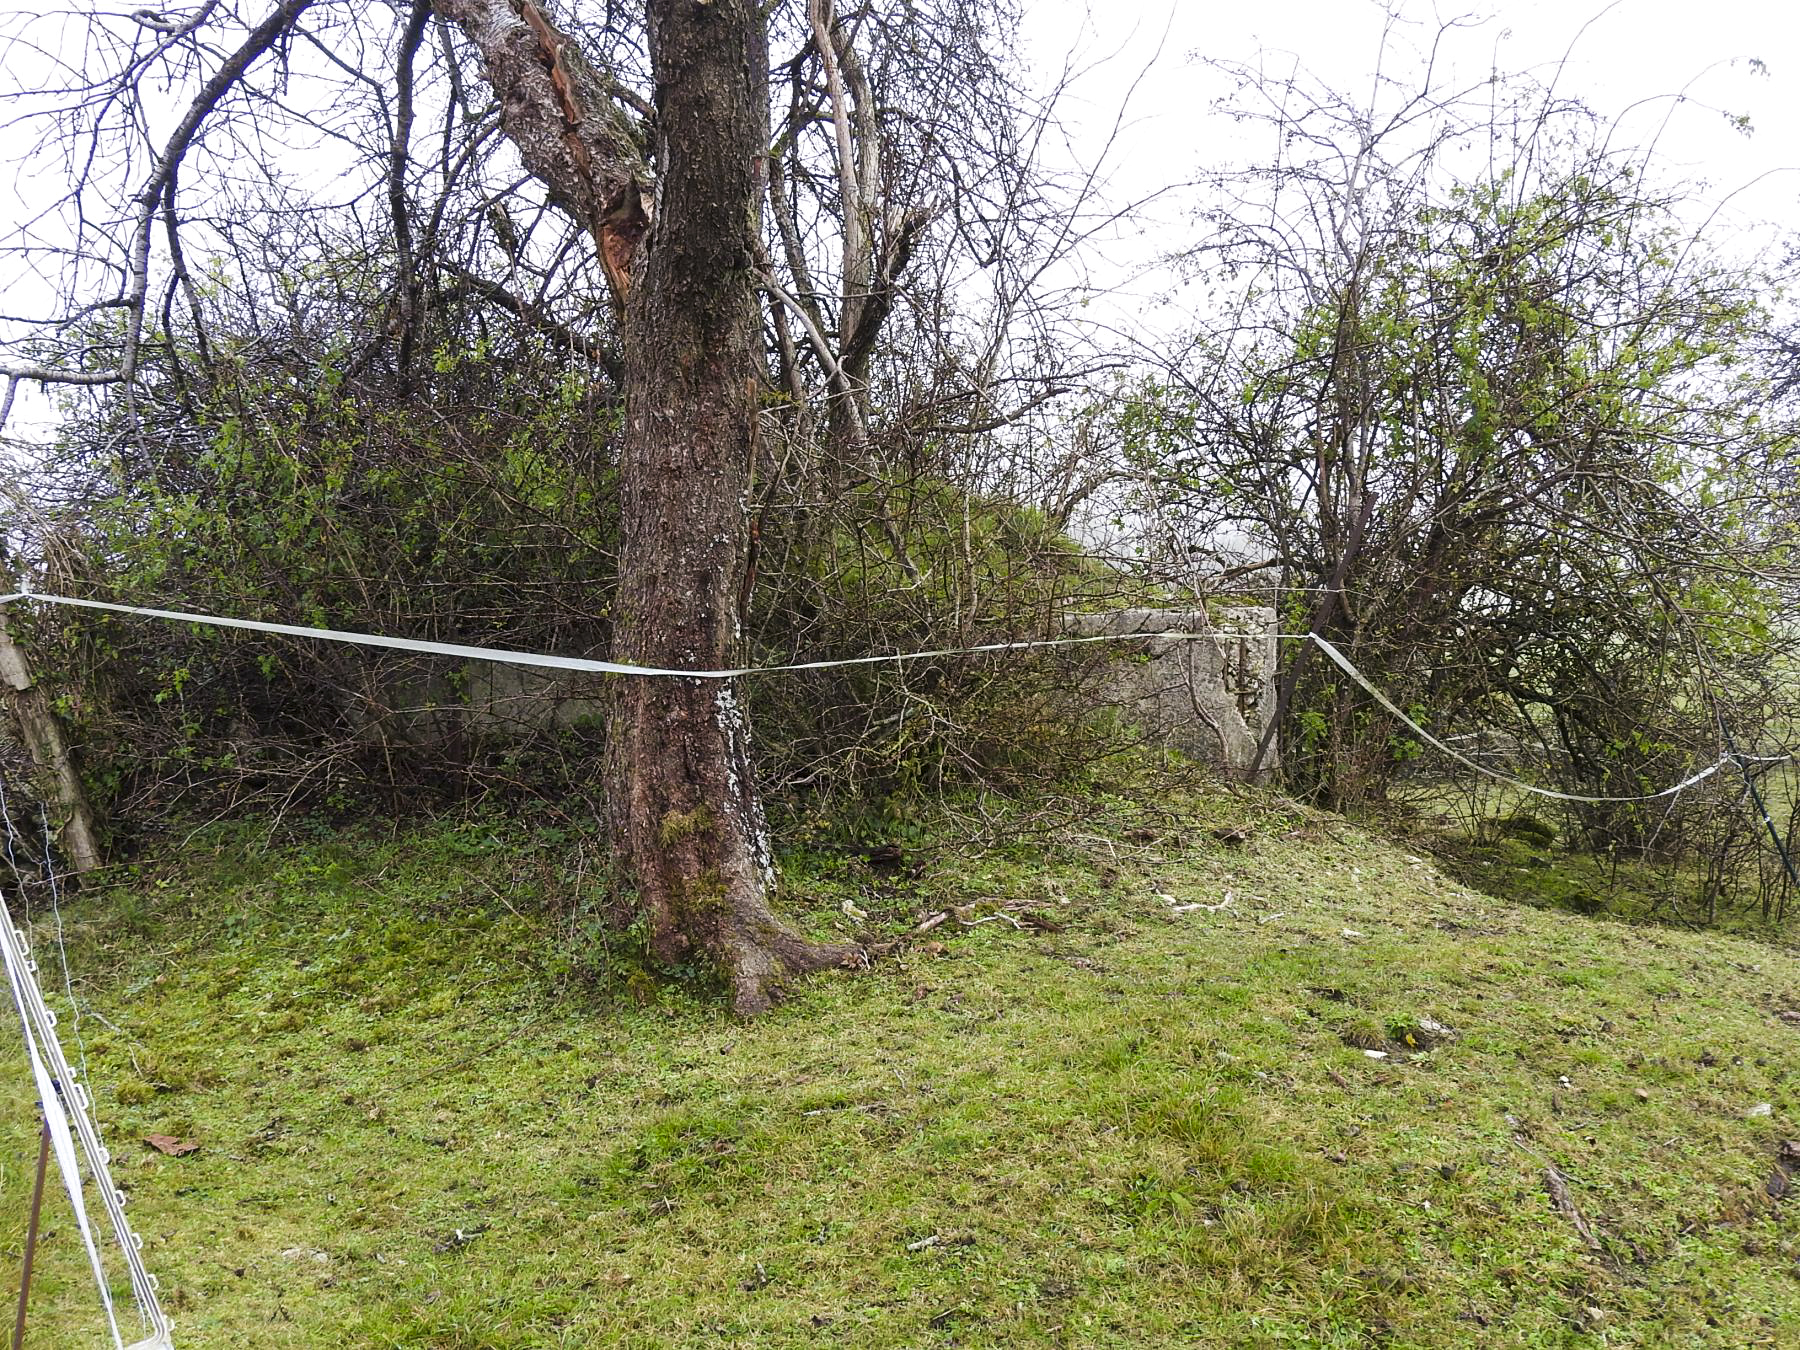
x=687 y=823
x=680 y=792
x=561 y=114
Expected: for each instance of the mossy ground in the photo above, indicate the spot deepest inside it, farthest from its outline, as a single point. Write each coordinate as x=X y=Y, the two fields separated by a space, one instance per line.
x=432 y=1112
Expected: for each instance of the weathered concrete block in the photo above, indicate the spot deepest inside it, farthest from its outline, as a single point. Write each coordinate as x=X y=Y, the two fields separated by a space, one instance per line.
x=482 y=701
x=1209 y=698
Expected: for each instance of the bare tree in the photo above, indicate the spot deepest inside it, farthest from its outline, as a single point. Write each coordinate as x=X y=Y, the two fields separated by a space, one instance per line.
x=328 y=185
x=1480 y=410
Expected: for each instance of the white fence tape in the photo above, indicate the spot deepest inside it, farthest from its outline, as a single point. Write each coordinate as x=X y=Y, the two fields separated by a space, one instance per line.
x=580 y=663
x=1461 y=758
x=465 y=652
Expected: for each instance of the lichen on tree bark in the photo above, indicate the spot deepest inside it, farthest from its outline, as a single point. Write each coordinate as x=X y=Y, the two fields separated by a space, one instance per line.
x=686 y=820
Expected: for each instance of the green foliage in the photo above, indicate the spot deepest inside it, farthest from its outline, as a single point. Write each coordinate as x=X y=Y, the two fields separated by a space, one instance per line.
x=1511 y=438
x=478 y=506
x=917 y=566
x=476 y=509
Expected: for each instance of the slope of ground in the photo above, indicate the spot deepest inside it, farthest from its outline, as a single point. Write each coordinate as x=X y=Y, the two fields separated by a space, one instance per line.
x=1348 y=1102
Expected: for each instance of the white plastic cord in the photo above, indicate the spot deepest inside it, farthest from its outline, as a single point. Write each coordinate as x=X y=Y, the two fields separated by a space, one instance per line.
x=73 y=1100
x=543 y=660
x=62 y=946
x=67 y=1103
x=55 y=1107
x=508 y=656
x=1381 y=698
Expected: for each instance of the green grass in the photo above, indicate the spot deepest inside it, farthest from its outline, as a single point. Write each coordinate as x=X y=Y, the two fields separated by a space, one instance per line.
x=1117 y=1126
x=1506 y=844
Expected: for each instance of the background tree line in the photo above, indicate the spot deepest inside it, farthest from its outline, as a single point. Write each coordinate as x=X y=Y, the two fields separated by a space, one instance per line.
x=1479 y=404
x=345 y=336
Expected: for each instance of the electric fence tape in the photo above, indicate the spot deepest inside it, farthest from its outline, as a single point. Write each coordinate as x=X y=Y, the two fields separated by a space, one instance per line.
x=1461 y=758
x=507 y=656
x=588 y=665
x=66 y=1103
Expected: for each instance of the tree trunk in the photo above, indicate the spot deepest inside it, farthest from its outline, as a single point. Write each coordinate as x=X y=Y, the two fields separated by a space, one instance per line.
x=687 y=823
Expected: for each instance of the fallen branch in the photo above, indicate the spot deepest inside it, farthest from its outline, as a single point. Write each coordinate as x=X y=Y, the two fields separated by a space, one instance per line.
x=1564 y=1200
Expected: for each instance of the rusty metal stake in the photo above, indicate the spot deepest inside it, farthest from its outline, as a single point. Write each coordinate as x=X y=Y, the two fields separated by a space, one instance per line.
x=31 y=1233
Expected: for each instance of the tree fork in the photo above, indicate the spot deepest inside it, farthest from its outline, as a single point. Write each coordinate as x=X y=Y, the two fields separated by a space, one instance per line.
x=687 y=824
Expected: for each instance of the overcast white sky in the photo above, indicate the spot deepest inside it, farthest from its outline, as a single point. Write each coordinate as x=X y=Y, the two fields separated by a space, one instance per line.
x=1633 y=55
x=1634 y=52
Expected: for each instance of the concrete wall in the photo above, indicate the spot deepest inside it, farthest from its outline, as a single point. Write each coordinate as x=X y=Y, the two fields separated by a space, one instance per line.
x=1209 y=698
x=488 y=702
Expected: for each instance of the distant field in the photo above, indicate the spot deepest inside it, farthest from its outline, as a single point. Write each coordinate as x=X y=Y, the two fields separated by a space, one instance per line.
x=1320 y=1113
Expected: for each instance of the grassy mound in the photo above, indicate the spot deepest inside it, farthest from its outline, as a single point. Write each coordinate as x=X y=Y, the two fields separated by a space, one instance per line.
x=1346 y=1101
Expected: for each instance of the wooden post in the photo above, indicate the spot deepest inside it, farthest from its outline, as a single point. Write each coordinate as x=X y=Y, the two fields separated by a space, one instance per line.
x=31 y=1233
x=43 y=736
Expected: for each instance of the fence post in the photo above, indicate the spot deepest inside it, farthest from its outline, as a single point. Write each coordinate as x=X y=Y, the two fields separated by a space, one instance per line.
x=43 y=736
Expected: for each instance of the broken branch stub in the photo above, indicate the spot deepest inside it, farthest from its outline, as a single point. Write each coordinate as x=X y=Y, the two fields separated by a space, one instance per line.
x=571 y=133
